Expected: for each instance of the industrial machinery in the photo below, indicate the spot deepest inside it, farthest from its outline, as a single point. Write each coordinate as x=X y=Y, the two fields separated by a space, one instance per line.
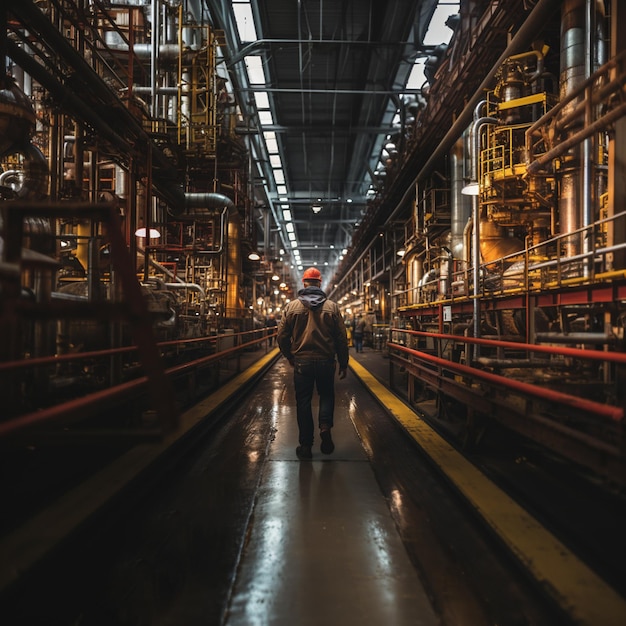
x=497 y=230
x=125 y=196
x=507 y=256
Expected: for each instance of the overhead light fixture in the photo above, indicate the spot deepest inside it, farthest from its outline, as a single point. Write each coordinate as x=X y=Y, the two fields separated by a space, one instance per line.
x=253 y=256
x=276 y=277
x=141 y=232
x=316 y=208
x=471 y=189
x=401 y=252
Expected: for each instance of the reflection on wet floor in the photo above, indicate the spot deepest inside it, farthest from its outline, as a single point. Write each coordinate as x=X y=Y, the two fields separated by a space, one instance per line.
x=323 y=547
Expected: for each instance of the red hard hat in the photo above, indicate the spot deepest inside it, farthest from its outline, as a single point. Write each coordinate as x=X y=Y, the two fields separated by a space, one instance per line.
x=312 y=274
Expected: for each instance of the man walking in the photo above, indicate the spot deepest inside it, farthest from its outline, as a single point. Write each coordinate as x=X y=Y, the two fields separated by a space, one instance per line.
x=311 y=333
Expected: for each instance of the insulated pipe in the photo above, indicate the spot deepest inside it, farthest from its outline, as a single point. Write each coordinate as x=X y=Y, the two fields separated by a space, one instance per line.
x=192 y=287
x=460 y=204
x=144 y=51
x=154 y=54
x=211 y=201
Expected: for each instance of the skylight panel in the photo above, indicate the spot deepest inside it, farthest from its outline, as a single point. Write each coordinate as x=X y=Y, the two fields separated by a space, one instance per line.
x=265 y=118
x=256 y=73
x=270 y=141
x=262 y=100
x=275 y=161
x=287 y=215
x=279 y=177
x=245 y=20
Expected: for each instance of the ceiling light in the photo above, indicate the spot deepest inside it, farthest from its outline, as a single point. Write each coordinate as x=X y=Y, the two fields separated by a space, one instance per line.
x=253 y=256
x=401 y=252
x=316 y=208
x=141 y=232
x=471 y=189
x=276 y=277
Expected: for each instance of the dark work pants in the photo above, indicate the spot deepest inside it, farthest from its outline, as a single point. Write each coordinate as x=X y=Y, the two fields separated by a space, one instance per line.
x=306 y=376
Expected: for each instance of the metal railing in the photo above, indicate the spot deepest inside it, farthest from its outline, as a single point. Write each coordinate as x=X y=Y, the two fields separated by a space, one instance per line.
x=548 y=394
x=539 y=267
x=193 y=366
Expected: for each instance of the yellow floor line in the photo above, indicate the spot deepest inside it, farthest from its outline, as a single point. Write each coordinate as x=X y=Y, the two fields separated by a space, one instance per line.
x=27 y=544
x=575 y=587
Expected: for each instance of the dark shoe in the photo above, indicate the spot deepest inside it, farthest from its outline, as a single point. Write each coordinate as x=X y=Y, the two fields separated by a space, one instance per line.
x=304 y=453
x=327 y=446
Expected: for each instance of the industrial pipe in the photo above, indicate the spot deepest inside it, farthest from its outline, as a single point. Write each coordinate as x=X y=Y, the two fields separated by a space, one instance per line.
x=475 y=127
x=524 y=37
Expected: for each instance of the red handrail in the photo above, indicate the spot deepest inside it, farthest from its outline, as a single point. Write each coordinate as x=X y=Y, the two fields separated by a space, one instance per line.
x=595 y=355
x=613 y=413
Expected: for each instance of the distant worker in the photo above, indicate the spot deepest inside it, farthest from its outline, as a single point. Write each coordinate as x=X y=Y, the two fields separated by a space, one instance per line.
x=311 y=334
x=271 y=326
x=359 y=331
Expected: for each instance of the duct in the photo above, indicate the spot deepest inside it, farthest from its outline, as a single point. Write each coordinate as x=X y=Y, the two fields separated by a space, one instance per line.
x=577 y=64
x=460 y=204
